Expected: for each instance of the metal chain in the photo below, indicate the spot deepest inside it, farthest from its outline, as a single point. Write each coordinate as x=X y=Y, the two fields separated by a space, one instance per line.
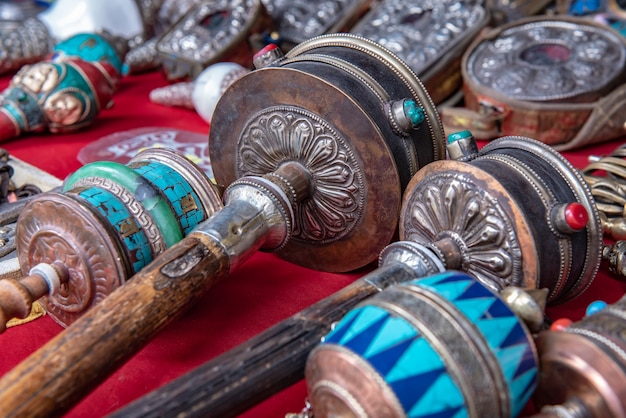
x=606 y=176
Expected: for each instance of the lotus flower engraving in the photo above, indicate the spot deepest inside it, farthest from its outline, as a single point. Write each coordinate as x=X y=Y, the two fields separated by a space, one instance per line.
x=285 y=133
x=448 y=206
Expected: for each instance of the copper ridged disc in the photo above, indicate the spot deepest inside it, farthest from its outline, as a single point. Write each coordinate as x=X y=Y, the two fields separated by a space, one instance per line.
x=54 y=227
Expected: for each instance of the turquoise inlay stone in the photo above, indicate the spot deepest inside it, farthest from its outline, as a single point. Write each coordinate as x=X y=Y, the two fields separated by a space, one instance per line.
x=474 y=309
x=437 y=400
x=450 y=289
x=24 y=108
x=498 y=329
x=89 y=47
x=595 y=306
x=394 y=331
x=385 y=360
x=414 y=112
x=177 y=190
x=150 y=198
x=511 y=358
x=457 y=136
x=130 y=232
x=525 y=384
x=503 y=333
x=417 y=359
x=362 y=322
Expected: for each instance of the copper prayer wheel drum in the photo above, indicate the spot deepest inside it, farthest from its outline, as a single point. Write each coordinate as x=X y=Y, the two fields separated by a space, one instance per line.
x=583 y=367
x=499 y=214
x=109 y=222
x=328 y=105
x=442 y=345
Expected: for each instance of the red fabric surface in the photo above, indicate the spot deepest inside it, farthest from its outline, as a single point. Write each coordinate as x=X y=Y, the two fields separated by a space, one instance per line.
x=262 y=292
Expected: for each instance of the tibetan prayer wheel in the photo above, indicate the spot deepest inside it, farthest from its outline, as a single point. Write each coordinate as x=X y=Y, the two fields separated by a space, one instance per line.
x=314 y=150
x=583 y=367
x=470 y=214
x=515 y=213
x=442 y=345
x=343 y=108
x=110 y=221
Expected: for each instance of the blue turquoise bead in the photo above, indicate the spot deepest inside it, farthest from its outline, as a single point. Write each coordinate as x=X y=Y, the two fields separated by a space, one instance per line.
x=414 y=112
x=457 y=136
x=595 y=306
x=89 y=47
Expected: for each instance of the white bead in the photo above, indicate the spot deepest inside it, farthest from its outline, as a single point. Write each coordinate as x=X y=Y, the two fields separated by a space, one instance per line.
x=211 y=84
x=49 y=274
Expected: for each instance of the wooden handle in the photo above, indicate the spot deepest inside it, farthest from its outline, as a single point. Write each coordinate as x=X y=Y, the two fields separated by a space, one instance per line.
x=55 y=377
x=17 y=297
x=264 y=365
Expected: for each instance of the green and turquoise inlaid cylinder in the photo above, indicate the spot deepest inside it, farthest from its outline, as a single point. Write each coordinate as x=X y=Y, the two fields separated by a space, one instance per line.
x=110 y=221
x=444 y=346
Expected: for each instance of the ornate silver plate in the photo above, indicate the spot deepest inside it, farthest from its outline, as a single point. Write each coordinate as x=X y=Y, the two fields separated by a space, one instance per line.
x=549 y=60
x=422 y=32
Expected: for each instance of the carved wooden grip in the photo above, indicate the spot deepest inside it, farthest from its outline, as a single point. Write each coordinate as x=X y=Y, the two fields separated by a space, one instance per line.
x=17 y=297
x=55 y=377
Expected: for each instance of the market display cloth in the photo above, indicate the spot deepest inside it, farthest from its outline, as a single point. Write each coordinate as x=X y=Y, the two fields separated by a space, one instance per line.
x=262 y=292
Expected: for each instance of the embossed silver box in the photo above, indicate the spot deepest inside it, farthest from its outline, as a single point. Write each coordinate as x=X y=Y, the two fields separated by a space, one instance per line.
x=429 y=35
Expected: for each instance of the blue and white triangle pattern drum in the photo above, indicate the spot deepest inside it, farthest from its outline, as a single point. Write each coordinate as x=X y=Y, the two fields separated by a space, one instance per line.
x=439 y=346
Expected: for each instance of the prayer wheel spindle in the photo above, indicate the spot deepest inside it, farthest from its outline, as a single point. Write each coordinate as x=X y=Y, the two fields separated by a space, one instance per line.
x=109 y=222
x=315 y=160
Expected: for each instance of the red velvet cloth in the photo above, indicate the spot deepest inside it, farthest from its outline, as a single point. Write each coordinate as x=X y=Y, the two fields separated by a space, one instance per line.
x=262 y=292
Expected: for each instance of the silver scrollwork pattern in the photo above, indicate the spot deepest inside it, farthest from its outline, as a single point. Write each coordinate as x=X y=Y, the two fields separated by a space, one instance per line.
x=548 y=60
x=288 y=133
x=423 y=31
x=448 y=206
x=208 y=29
x=300 y=20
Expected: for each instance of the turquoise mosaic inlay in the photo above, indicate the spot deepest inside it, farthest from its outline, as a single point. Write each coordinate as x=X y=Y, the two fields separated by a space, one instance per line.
x=405 y=360
x=177 y=191
x=412 y=368
x=130 y=232
x=500 y=327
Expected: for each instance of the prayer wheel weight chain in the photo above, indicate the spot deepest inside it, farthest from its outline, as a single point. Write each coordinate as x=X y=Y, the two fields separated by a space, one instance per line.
x=109 y=222
x=607 y=177
x=314 y=170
